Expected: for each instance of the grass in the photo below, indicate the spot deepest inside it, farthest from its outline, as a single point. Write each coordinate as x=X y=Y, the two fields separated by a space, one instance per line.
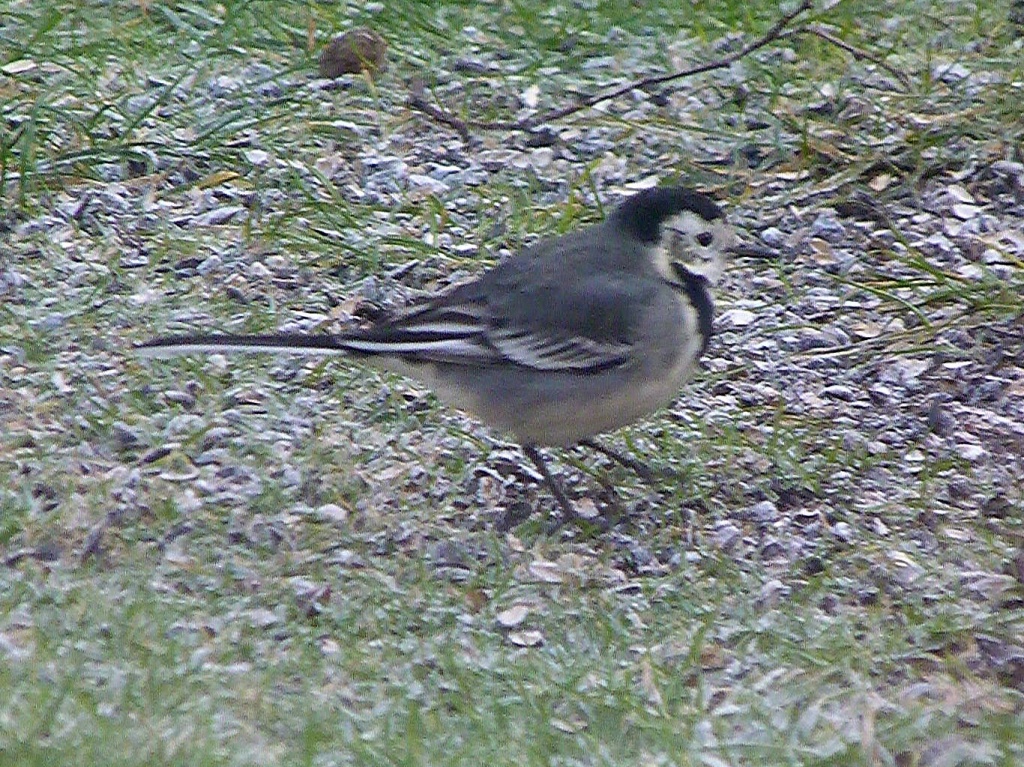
x=302 y=565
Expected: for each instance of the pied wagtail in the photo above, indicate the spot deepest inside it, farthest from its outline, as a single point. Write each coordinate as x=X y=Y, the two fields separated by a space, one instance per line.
x=571 y=337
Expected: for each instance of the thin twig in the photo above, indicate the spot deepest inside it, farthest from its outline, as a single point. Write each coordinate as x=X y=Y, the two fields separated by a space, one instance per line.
x=858 y=53
x=417 y=99
x=768 y=37
x=94 y=541
x=415 y=102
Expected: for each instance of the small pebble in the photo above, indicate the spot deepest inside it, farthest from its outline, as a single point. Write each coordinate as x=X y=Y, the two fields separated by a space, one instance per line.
x=359 y=50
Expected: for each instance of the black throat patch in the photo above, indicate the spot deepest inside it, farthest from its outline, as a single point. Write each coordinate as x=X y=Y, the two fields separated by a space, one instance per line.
x=695 y=286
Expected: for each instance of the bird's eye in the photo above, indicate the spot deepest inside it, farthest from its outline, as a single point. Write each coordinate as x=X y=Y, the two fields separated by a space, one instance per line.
x=705 y=238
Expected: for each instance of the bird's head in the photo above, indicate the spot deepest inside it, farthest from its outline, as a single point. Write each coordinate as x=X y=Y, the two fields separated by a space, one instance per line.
x=686 y=229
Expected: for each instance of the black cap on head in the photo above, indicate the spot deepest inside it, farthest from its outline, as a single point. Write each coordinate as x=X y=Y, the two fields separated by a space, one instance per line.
x=644 y=213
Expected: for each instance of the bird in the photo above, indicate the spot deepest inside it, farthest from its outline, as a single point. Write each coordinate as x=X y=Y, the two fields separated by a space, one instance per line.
x=571 y=337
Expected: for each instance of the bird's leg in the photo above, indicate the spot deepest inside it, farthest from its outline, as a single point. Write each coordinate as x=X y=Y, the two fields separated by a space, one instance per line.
x=568 y=512
x=642 y=470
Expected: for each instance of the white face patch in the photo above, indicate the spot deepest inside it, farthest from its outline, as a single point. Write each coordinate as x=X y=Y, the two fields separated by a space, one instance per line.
x=700 y=245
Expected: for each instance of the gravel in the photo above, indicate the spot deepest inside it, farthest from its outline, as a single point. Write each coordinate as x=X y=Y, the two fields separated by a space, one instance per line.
x=855 y=384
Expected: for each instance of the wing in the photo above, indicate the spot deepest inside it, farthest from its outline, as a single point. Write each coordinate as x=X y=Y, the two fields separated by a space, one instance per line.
x=521 y=316
x=588 y=325
x=450 y=329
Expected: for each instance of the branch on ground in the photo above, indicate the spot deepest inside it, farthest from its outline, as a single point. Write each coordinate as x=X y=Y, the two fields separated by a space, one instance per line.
x=417 y=99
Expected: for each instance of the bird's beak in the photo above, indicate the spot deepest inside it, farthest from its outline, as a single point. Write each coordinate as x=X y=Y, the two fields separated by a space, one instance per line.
x=752 y=250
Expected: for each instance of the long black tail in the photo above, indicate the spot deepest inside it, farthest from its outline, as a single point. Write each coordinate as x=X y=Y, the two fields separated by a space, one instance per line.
x=275 y=343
